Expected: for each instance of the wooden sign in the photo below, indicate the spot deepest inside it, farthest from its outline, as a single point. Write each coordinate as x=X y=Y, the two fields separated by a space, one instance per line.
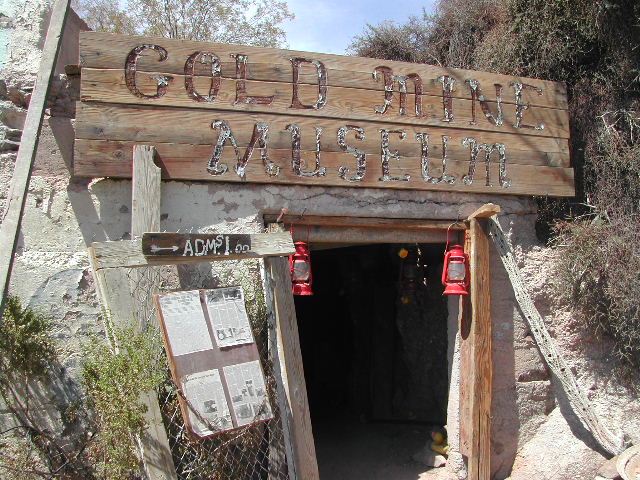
x=214 y=360
x=248 y=114
x=195 y=244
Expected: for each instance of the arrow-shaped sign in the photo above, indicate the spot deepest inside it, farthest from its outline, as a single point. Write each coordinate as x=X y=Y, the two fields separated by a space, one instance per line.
x=161 y=244
x=155 y=248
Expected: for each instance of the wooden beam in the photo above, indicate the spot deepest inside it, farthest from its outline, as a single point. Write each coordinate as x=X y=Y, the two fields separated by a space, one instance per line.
x=485 y=211
x=466 y=367
x=145 y=216
x=275 y=354
x=481 y=369
x=10 y=229
x=128 y=253
x=365 y=235
x=364 y=222
x=145 y=191
x=306 y=465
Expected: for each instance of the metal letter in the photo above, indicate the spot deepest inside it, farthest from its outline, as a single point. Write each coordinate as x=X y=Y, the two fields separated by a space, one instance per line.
x=387 y=154
x=190 y=71
x=448 y=86
x=502 y=159
x=423 y=138
x=361 y=156
x=296 y=161
x=322 y=83
x=260 y=136
x=389 y=80
x=521 y=107
x=131 y=65
x=476 y=94
x=241 y=85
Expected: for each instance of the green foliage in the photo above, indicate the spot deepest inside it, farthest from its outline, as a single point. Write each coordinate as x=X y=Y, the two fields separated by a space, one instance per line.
x=599 y=274
x=26 y=346
x=248 y=22
x=447 y=38
x=34 y=446
x=114 y=382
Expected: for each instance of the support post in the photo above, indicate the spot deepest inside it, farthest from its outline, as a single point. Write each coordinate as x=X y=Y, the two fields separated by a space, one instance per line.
x=478 y=362
x=297 y=406
x=145 y=217
x=19 y=187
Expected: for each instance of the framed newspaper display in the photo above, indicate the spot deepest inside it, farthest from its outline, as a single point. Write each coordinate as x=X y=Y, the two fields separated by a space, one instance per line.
x=214 y=360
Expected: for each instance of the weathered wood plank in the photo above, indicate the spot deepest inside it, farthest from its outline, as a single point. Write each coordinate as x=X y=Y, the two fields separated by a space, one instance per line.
x=278 y=450
x=156 y=125
x=19 y=186
x=467 y=396
x=306 y=465
x=365 y=235
x=345 y=103
x=145 y=193
x=128 y=253
x=368 y=222
x=103 y=50
x=189 y=162
x=482 y=369
x=194 y=244
x=485 y=211
x=145 y=215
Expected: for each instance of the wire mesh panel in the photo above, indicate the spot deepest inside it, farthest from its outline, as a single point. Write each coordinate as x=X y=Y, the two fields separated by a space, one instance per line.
x=253 y=452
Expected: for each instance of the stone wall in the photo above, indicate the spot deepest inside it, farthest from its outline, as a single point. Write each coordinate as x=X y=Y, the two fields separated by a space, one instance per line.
x=65 y=214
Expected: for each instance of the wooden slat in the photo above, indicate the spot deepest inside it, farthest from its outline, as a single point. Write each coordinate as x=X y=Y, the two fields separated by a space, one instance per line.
x=276 y=460
x=19 y=186
x=467 y=385
x=366 y=222
x=345 y=103
x=103 y=50
x=154 y=125
x=128 y=253
x=162 y=244
x=486 y=211
x=188 y=162
x=482 y=369
x=145 y=192
x=145 y=216
x=306 y=465
x=364 y=235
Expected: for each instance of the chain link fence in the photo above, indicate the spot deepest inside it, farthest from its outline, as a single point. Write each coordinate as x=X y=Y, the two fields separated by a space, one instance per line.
x=253 y=452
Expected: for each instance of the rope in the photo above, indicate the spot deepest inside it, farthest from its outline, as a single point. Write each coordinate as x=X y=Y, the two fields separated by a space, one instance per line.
x=561 y=372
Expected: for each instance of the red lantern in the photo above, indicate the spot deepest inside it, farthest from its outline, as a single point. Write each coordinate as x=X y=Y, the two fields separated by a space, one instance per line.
x=300 y=268
x=455 y=272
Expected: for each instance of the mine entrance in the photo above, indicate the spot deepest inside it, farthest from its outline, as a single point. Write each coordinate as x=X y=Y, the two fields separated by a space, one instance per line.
x=374 y=347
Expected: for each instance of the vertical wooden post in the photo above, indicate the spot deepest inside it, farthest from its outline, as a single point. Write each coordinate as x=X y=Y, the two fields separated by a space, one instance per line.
x=479 y=365
x=292 y=371
x=279 y=453
x=19 y=186
x=145 y=217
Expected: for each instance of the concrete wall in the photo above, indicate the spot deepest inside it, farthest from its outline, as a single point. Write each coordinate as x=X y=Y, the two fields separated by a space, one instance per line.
x=65 y=214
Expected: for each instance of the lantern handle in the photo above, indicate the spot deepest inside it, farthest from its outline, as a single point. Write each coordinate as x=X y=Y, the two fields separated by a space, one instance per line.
x=457 y=222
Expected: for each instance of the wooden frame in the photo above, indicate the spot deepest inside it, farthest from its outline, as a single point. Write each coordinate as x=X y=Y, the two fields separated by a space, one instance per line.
x=108 y=261
x=475 y=315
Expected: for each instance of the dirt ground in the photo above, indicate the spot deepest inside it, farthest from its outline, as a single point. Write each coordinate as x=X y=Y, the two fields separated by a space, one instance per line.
x=352 y=450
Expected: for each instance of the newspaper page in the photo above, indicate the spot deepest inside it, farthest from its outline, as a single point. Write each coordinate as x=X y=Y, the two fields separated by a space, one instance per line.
x=187 y=329
x=207 y=405
x=248 y=393
x=228 y=316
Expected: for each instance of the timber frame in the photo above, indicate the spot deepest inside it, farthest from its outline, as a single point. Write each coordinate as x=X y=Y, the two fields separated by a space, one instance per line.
x=475 y=325
x=108 y=262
